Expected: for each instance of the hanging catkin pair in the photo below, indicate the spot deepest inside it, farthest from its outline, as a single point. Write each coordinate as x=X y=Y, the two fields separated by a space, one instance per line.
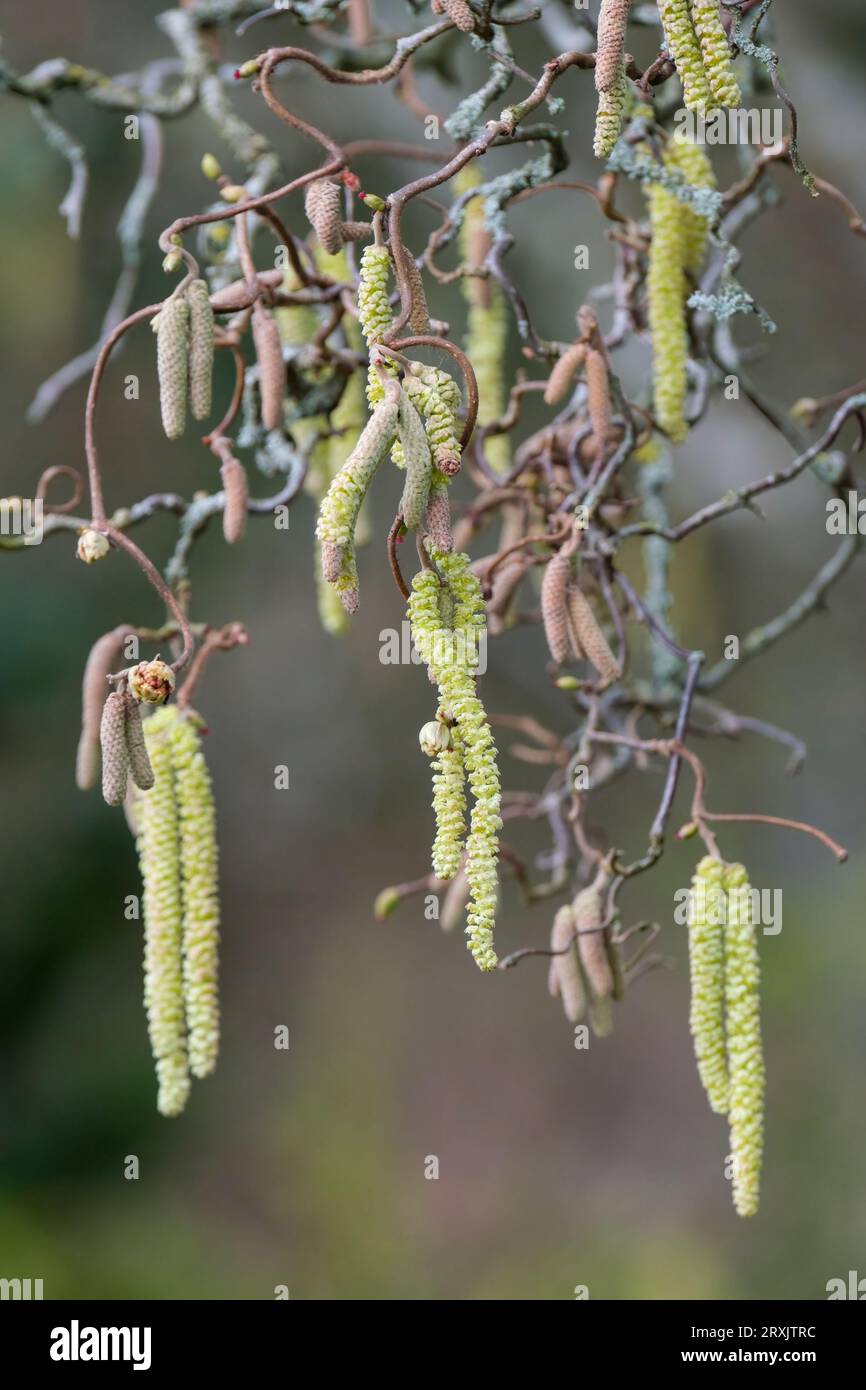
x=338 y=514
x=124 y=754
x=678 y=243
x=699 y=47
x=437 y=397
x=585 y=972
x=611 y=81
x=447 y=627
x=570 y=626
x=103 y=658
x=184 y=357
x=177 y=850
x=725 y=1015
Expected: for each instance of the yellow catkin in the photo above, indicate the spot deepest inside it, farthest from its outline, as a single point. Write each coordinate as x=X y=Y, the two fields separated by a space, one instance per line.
x=707 y=974
x=693 y=161
x=666 y=287
x=449 y=807
x=745 y=1052
x=198 y=868
x=610 y=113
x=159 y=857
x=172 y=365
x=716 y=52
x=201 y=349
x=685 y=50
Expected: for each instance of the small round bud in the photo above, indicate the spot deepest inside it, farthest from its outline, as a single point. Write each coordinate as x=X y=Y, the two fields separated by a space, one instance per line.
x=434 y=738
x=568 y=683
x=173 y=261
x=373 y=201
x=233 y=193
x=151 y=682
x=210 y=166
x=385 y=903
x=176 y=239
x=248 y=69
x=92 y=545
x=686 y=831
x=804 y=410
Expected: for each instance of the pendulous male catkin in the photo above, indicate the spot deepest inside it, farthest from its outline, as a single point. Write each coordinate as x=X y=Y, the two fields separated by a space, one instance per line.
x=564 y=372
x=115 y=757
x=707 y=972
x=666 y=287
x=201 y=349
x=554 y=606
x=460 y=13
x=587 y=637
x=685 y=49
x=104 y=656
x=745 y=1052
x=418 y=462
x=610 y=42
x=200 y=892
x=449 y=809
x=486 y=323
x=323 y=206
x=236 y=489
x=159 y=858
x=715 y=52
x=610 y=113
x=172 y=364
x=598 y=398
x=136 y=747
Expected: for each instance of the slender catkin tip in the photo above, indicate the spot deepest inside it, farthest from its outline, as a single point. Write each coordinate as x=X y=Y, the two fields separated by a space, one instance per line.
x=272 y=368
x=589 y=640
x=234 y=481
x=201 y=349
x=612 y=21
x=200 y=892
x=103 y=657
x=159 y=859
x=554 y=607
x=172 y=364
x=115 y=758
x=745 y=1050
x=707 y=977
x=563 y=373
x=565 y=979
x=418 y=462
x=136 y=747
x=323 y=206
x=610 y=113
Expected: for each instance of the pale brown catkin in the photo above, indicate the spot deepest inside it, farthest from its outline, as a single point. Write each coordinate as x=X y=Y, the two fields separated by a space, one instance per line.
x=589 y=640
x=201 y=349
x=565 y=980
x=554 y=607
x=610 y=44
x=323 y=206
x=115 y=757
x=172 y=365
x=234 y=481
x=272 y=368
x=438 y=518
x=459 y=13
x=136 y=748
x=598 y=398
x=104 y=656
x=563 y=373
x=419 y=318
x=591 y=947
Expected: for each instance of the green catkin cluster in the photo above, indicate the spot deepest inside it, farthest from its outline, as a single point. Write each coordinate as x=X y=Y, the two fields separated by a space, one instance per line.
x=184 y=357
x=745 y=1053
x=436 y=395
x=707 y=973
x=486 y=323
x=178 y=857
x=725 y=1015
x=449 y=649
x=123 y=748
x=374 y=309
x=159 y=857
x=679 y=239
x=716 y=52
x=685 y=49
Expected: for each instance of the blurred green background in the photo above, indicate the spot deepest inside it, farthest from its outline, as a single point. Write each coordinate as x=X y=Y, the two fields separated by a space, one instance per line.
x=307 y=1168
